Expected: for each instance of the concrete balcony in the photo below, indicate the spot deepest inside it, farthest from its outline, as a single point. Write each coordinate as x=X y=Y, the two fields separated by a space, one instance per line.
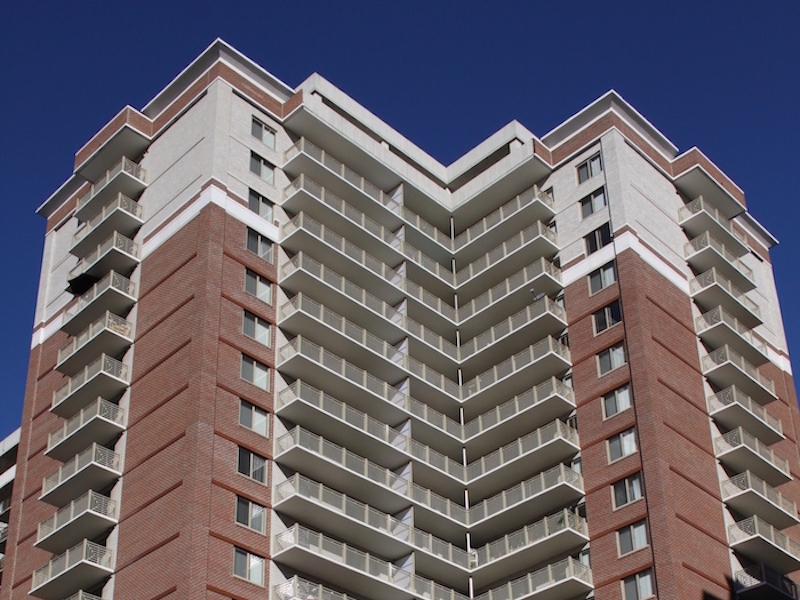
x=712 y=289
x=761 y=542
x=105 y=377
x=110 y=334
x=748 y=495
x=352 y=569
x=563 y=580
x=761 y=582
x=115 y=253
x=121 y=214
x=705 y=252
x=741 y=451
x=86 y=517
x=113 y=293
x=3 y=537
x=84 y=565
x=126 y=178
x=699 y=216
x=93 y=468
x=732 y=408
x=724 y=367
x=718 y=328
x=84 y=596
x=101 y=421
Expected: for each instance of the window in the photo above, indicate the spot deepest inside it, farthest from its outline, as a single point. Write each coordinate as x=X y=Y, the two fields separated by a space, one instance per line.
x=259 y=244
x=611 y=358
x=598 y=238
x=256 y=328
x=602 y=277
x=639 y=586
x=252 y=465
x=255 y=372
x=589 y=168
x=260 y=205
x=622 y=444
x=250 y=514
x=259 y=286
x=617 y=401
x=248 y=566
x=593 y=202
x=633 y=537
x=262 y=168
x=253 y=418
x=607 y=317
x=628 y=490
x=263 y=133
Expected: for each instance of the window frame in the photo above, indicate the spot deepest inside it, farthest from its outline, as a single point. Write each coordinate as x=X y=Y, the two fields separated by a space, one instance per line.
x=626 y=484
x=260 y=325
x=260 y=282
x=609 y=267
x=252 y=467
x=262 y=168
x=256 y=242
x=635 y=579
x=260 y=205
x=607 y=314
x=257 y=366
x=612 y=353
x=593 y=166
x=622 y=438
x=589 y=201
x=637 y=532
x=246 y=406
x=248 y=522
x=615 y=393
x=598 y=238
x=248 y=557
x=262 y=127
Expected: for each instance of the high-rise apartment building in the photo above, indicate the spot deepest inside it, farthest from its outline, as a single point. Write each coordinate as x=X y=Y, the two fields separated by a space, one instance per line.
x=281 y=352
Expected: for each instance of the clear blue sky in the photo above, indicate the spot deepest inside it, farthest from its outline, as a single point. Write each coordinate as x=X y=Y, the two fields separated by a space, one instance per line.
x=719 y=75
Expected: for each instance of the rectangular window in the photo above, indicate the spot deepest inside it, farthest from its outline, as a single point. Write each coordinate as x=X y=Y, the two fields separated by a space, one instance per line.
x=256 y=328
x=262 y=168
x=260 y=205
x=593 y=202
x=589 y=168
x=639 y=586
x=598 y=238
x=628 y=490
x=255 y=372
x=252 y=465
x=611 y=358
x=259 y=244
x=617 y=401
x=622 y=444
x=258 y=286
x=631 y=538
x=248 y=566
x=253 y=417
x=607 y=317
x=602 y=277
x=250 y=514
x=263 y=133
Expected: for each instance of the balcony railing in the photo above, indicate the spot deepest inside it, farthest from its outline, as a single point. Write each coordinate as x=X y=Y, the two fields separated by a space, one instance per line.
x=706 y=240
x=740 y=437
x=747 y=481
x=725 y=354
x=546 y=577
x=759 y=575
x=117 y=241
x=755 y=526
x=94 y=454
x=121 y=202
x=109 y=321
x=89 y=502
x=711 y=277
x=113 y=281
x=125 y=165
x=719 y=315
x=86 y=551
x=99 y=408
x=732 y=396
x=699 y=205
x=102 y=364
x=84 y=596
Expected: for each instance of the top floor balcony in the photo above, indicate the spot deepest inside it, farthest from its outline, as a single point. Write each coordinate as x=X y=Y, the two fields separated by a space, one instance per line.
x=126 y=177
x=120 y=214
x=699 y=216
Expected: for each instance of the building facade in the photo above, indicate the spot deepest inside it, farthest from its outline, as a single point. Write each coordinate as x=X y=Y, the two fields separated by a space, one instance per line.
x=281 y=352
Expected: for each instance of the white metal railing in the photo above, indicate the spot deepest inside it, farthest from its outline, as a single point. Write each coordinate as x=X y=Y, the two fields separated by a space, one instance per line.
x=726 y=354
x=99 y=408
x=121 y=202
x=565 y=569
x=102 y=364
x=747 y=481
x=504 y=288
x=504 y=212
x=756 y=575
x=755 y=526
x=420 y=224
x=108 y=321
x=520 y=360
x=698 y=205
x=711 y=277
x=126 y=165
x=111 y=280
x=3 y=533
x=115 y=241
x=93 y=454
x=86 y=551
x=741 y=437
x=84 y=596
x=706 y=240
x=364 y=562
x=91 y=501
x=508 y=247
x=720 y=315
x=733 y=395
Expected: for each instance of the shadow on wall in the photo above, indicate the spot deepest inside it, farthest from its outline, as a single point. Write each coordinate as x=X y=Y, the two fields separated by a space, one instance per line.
x=731 y=594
